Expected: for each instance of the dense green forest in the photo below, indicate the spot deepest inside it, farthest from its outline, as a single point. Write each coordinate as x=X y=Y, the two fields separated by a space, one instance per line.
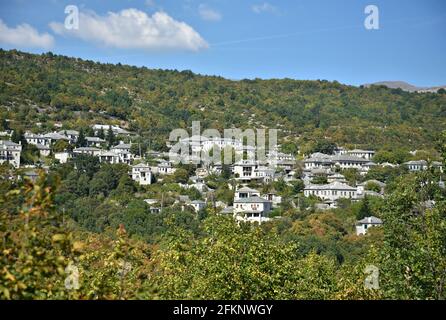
x=48 y=88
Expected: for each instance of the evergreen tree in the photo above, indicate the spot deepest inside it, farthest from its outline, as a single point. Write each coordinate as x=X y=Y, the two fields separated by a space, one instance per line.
x=364 y=210
x=226 y=172
x=81 y=141
x=110 y=137
x=442 y=146
x=18 y=137
x=89 y=132
x=324 y=146
x=101 y=134
x=4 y=124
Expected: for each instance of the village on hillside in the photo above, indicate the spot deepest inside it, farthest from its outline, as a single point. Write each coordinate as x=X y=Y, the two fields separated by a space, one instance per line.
x=320 y=174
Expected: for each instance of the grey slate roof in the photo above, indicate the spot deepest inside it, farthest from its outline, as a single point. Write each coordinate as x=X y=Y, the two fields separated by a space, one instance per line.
x=198 y=202
x=381 y=184
x=55 y=136
x=251 y=200
x=122 y=146
x=228 y=210
x=347 y=158
x=332 y=186
x=9 y=143
x=94 y=139
x=70 y=132
x=141 y=165
x=370 y=220
x=86 y=149
x=361 y=151
x=247 y=189
x=42 y=147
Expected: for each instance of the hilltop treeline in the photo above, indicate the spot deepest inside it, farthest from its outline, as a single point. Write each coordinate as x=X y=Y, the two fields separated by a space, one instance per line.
x=48 y=88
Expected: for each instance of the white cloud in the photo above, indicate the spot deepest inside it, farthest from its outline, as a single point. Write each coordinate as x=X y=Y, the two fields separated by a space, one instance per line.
x=208 y=14
x=134 y=29
x=25 y=36
x=264 y=7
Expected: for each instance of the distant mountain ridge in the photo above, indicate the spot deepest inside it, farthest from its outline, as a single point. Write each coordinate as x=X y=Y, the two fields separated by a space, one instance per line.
x=405 y=86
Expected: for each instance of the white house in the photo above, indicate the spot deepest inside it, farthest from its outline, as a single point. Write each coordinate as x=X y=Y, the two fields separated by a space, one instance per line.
x=122 y=147
x=246 y=170
x=198 y=205
x=71 y=134
x=264 y=173
x=94 y=142
x=343 y=161
x=115 y=129
x=36 y=139
x=151 y=201
x=63 y=157
x=363 y=225
x=246 y=192
x=286 y=165
x=197 y=183
x=199 y=144
x=142 y=173
x=422 y=165
x=164 y=168
x=318 y=160
x=348 y=161
x=10 y=152
x=365 y=154
x=53 y=137
x=416 y=165
x=91 y=151
x=280 y=156
x=366 y=167
x=154 y=205
x=44 y=151
x=124 y=157
x=331 y=192
x=123 y=151
x=252 y=209
x=208 y=143
x=109 y=157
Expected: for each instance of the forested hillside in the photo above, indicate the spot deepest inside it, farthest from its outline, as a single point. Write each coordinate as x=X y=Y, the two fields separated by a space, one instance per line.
x=48 y=88
x=86 y=229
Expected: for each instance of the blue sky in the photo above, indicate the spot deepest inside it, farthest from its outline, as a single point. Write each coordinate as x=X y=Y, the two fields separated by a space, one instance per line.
x=236 y=39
